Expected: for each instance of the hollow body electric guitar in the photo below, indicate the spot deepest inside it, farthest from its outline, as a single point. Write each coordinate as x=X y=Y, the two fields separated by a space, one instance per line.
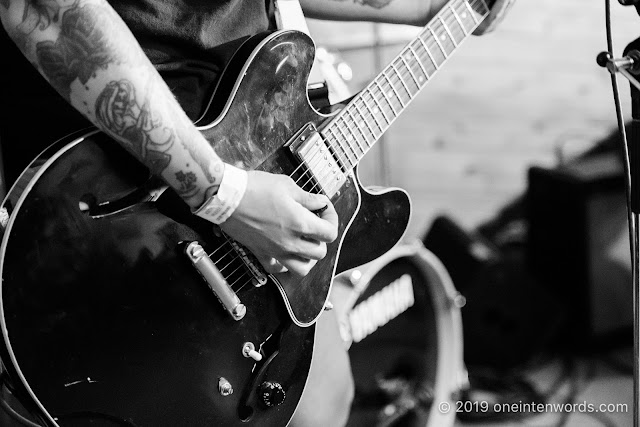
x=120 y=307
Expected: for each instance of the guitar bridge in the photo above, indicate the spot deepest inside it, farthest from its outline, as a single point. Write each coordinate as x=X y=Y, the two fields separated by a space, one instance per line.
x=322 y=169
x=215 y=280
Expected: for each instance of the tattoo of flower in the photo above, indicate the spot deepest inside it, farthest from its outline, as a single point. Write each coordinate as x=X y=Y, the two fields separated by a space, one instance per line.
x=187 y=182
x=80 y=50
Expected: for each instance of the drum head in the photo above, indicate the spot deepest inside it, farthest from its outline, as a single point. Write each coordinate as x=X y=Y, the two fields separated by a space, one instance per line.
x=406 y=340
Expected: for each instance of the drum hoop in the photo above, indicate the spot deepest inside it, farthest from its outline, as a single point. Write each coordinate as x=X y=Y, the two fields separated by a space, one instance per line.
x=451 y=373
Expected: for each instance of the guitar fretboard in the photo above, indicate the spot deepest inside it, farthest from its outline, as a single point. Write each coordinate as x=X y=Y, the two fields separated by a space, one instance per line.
x=354 y=130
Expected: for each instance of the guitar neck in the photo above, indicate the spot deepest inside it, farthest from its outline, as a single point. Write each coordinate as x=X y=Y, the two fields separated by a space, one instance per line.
x=356 y=128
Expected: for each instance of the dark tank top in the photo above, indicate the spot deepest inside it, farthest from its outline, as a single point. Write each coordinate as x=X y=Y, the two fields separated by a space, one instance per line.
x=189 y=42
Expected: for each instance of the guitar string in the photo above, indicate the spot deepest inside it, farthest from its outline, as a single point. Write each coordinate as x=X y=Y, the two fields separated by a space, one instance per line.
x=439 y=20
x=439 y=23
x=395 y=78
x=403 y=75
x=399 y=77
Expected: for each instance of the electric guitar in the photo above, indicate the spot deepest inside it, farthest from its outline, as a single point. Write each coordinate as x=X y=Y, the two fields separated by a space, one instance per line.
x=120 y=307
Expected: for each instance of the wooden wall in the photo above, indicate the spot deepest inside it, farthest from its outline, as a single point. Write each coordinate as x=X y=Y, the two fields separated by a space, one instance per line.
x=526 y=94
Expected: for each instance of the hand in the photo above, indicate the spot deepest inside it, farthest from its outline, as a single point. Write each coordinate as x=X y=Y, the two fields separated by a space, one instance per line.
x=496 y=15
x=274 y=220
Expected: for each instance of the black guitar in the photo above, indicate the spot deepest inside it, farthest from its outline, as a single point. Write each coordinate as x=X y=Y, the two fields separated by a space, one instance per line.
x=107 y=310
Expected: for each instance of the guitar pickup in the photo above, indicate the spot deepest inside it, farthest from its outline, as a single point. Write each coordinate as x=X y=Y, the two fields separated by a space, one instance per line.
x=322 y=170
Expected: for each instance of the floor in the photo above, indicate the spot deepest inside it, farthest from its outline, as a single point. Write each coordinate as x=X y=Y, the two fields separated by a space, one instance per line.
x=604 y=379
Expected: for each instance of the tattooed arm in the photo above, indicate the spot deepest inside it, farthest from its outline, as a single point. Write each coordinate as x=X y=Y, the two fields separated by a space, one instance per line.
x=412 y=12
x=87 y=53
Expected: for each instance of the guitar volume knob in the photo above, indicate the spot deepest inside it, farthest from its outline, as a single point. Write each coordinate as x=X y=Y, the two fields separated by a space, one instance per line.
x=272 y=393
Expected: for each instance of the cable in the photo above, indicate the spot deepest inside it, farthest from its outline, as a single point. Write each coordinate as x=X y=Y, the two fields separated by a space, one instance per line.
x=623 y=133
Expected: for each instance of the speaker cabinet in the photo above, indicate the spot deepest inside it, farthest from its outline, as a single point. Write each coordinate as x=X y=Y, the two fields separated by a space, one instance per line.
x=578 y=246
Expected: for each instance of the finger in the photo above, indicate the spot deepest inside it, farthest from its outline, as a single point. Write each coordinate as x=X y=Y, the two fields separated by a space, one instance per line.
x=310 y=249
x=324 y=227
x=298 y=266
x=272 y=265
x=331 y=216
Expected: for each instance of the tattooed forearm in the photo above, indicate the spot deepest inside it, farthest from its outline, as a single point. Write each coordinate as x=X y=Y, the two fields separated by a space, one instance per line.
x=80 y=50
x=86 y=52
x=211 y=171
x=118 y=111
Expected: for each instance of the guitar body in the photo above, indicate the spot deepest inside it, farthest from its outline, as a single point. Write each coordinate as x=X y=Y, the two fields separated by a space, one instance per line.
x=104 y=318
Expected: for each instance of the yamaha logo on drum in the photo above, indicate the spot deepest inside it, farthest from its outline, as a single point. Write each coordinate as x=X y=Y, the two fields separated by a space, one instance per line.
x=381 y=307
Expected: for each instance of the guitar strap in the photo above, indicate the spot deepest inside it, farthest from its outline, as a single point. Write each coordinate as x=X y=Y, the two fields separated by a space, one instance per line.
x=289 y=16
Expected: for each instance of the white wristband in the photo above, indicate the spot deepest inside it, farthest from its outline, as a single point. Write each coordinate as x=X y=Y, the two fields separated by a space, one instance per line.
x=220 y=207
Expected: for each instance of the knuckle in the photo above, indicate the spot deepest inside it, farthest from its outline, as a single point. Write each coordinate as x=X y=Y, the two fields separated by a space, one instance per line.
x=300 y=226
x=286 y=181
x=304 y=228
x=289 y=248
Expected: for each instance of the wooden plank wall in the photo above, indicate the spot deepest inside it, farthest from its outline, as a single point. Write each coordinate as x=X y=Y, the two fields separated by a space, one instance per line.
x=529 y=93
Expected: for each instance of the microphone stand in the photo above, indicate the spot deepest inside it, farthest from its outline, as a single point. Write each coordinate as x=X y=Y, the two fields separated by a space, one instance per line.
x=629 y=66
x=634 y=163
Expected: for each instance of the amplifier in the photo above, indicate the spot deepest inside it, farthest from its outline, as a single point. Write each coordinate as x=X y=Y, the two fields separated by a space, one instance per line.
x=578 y=246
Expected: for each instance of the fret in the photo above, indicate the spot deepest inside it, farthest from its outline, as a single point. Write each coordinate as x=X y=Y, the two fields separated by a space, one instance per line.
x=396 y=91
x=413 y=82
x=432 y=61
x=472 y=12
x=444 y=41
x=395 y=113
x=344 y=157
x=456 y=29
x=378 y=106
x=437 y=39
x=403 y=82
x=446 y=29
x=350 y=137
x=478 y=10
x=422 y=76
x=346 y=141
x=366 y=120
x=356 y=122
x=466 y=17
x=455 y=15
x=393 y=89
x=437 y=54
x=338 y=144
x=368 y=112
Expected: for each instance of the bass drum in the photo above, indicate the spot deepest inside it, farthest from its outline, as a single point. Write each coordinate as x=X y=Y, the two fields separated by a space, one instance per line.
x=400 y=318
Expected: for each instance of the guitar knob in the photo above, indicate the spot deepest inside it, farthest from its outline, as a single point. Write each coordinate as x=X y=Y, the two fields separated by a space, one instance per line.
x=272 y=393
